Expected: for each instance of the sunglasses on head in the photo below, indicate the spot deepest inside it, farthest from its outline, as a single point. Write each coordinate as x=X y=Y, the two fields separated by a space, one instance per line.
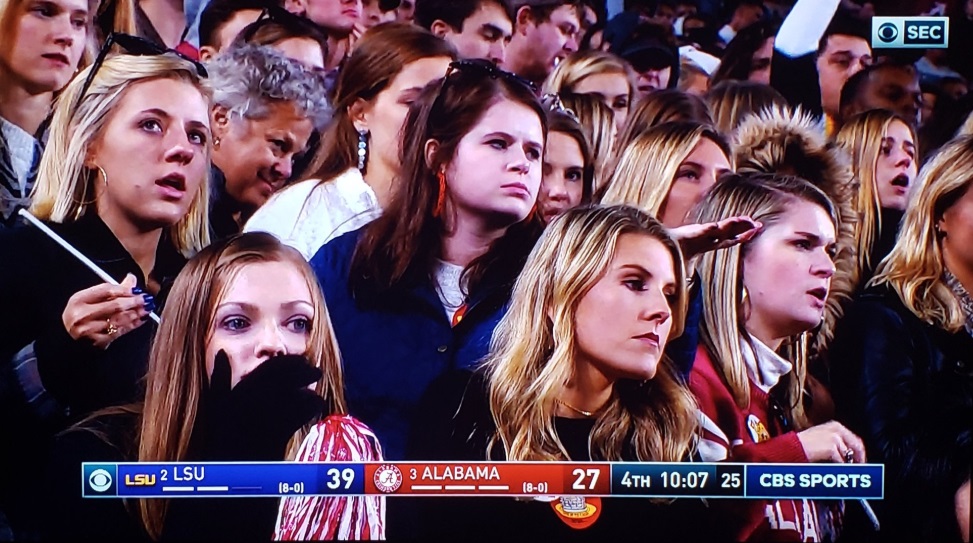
x=132 y=45
x=484 y=68
x=552 y=102
x=275 y=14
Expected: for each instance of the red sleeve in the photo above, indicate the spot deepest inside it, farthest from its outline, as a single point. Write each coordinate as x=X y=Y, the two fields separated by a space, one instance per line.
x=724 y=434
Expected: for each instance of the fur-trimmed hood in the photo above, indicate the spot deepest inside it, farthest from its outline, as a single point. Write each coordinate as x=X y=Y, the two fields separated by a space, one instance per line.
x=781 y=141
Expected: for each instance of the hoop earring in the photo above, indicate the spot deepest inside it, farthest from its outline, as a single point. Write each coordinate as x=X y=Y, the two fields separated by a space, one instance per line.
x=441 y=198
x=103 y=174
x=362 y=150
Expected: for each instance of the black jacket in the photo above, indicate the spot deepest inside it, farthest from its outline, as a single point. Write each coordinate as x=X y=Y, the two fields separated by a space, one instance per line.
x=906 y=387
x=455 y=424
x=37 y=277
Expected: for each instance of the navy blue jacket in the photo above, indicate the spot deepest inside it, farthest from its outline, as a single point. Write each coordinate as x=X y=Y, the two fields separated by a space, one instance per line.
x=393 y=348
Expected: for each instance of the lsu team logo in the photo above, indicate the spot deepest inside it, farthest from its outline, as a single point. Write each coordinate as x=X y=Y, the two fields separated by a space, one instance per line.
x=577 y=512
x=757 y=429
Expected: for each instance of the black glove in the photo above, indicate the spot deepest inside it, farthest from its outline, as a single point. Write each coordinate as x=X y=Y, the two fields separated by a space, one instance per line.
x=254 y=420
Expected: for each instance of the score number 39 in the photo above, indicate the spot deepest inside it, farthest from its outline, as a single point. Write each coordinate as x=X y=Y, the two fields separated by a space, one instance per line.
x=336 y=477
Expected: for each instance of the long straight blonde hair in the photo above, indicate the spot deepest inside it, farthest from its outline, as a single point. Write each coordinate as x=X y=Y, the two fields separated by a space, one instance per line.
x=64 y=192
x=533 y=351
x=647 y=168
x=177 y=377
x=764 y=198
x=862 y=138
x=914 y=269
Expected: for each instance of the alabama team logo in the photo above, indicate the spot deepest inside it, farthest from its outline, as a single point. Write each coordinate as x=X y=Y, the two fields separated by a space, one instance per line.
x=387 y=478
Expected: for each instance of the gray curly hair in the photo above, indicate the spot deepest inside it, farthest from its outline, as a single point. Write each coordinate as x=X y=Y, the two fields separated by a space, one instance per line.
x=246 y=80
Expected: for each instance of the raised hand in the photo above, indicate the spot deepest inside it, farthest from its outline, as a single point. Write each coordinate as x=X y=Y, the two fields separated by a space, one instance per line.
x=696 y=239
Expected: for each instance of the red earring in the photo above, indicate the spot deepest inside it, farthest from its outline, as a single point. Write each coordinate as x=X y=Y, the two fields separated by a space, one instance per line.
x=441 y=199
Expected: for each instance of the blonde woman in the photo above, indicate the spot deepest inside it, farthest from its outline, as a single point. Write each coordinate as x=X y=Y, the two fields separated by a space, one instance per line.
x=882 y=146
x=662 y=106
x=731 y=101
x=575 y=372
x=598 y=122
x=906 y=353
x=760 y=298
x=667 y=170
x=123 y=180
x=601 y=74
x=244 y=359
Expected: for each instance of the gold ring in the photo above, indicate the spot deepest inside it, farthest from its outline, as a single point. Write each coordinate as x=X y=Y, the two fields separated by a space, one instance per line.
x=112 y=329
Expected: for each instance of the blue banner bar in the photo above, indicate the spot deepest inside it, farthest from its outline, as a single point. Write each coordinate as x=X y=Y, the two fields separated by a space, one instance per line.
x=129 y=480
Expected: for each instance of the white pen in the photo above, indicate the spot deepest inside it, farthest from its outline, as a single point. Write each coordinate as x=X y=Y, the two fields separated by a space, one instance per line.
x=77 y=254
x=870 y=513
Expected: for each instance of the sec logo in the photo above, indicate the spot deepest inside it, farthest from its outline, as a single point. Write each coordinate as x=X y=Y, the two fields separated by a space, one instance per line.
x=387 y=478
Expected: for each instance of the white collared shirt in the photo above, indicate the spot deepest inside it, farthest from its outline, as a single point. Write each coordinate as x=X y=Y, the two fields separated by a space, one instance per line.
x=310 y=213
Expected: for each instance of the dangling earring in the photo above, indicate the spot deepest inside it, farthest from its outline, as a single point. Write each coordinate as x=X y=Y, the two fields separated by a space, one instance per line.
x=103 y=174
x=216 y=143
x=362 y=150
x=744 y=298
x=441 y=198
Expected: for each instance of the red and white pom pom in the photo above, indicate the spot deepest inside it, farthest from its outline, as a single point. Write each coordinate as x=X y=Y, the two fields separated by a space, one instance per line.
x=338 y=438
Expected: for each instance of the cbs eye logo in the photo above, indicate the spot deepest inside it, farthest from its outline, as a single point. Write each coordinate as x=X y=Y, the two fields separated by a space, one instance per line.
x=910 y=32
x=98 y=480
x=888 y=32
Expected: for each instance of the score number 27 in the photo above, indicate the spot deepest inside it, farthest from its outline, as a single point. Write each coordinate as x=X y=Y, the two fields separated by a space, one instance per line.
x=582 y=474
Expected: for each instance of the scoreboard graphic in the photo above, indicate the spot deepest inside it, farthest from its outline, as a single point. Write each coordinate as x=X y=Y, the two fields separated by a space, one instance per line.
x=524 y=479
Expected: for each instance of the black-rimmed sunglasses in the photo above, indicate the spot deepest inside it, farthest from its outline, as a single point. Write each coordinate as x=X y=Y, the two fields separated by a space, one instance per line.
x=133 y=45
x=487 y=68
x=275 y=14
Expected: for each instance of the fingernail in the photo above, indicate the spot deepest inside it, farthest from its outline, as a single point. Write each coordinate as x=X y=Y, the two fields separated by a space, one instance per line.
x=148 y=298
x=150 y=307
x=136 y=291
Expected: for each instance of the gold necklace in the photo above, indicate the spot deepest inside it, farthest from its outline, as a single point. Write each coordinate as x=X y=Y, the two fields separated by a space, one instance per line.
x=576 y=410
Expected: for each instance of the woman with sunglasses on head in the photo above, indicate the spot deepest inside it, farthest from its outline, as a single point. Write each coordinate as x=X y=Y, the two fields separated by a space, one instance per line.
x=123 y=180
x=432 y=275
x=575 y=373
x=357 y=164
x=244 y=360
x=760 y=300
x=41 y=47
x=265 y=107
x=568 y=176
x=903 y=358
